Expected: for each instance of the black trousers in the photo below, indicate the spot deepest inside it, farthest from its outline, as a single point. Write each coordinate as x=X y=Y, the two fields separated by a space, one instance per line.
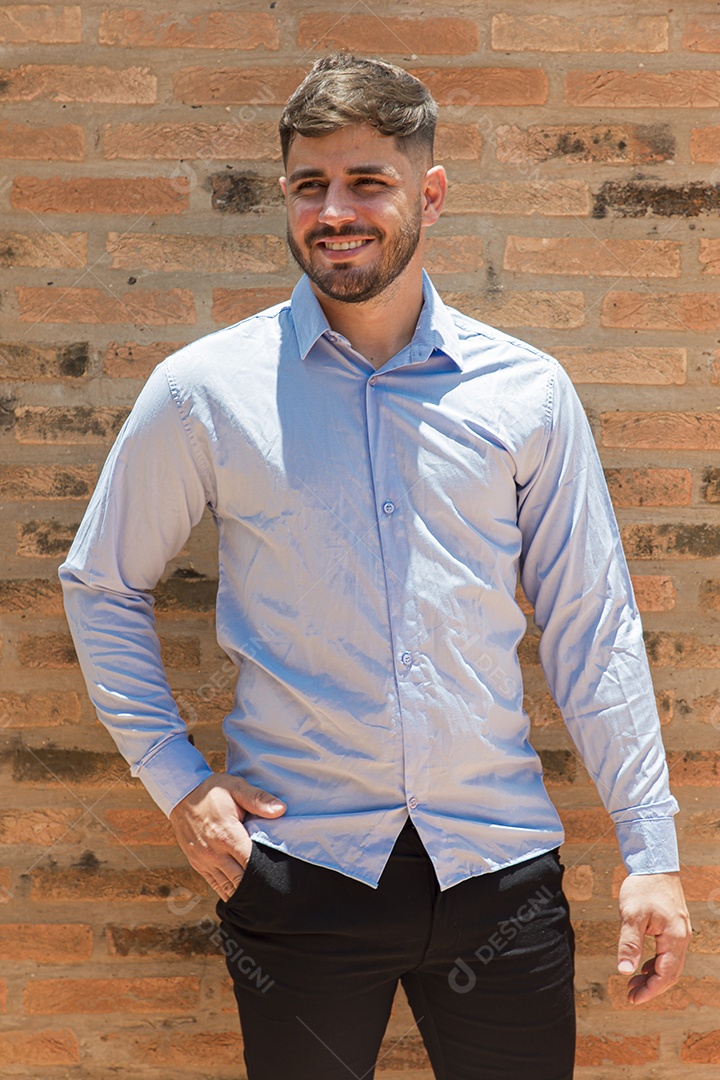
x=316 y=958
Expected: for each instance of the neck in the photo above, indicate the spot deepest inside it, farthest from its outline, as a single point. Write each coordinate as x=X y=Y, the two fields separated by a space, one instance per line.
x=381 y=327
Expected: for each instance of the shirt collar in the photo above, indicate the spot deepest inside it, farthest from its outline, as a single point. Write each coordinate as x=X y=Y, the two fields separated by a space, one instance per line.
x=435 y=328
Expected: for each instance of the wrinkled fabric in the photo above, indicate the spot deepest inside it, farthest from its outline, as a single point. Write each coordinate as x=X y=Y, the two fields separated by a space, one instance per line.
x=372 y=525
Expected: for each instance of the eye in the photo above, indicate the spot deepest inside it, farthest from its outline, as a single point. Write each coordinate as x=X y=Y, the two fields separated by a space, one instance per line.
x=305 y=184
x=371 y=180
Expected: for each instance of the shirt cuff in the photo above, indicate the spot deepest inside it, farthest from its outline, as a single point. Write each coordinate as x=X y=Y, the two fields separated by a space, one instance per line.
x=172 y=771
x=648 y=845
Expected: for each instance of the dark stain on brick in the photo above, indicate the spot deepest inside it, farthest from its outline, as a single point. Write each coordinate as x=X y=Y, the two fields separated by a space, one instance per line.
x=50 y=537
x=696 y=541
x=635 y=199
x=652 y=645
x=559 y=766
x=68 y=485
x=181 y=594
x=48 y=764
x=85 y=419
x=242 y=193
x=88 y=861
x=74 y=359
x=181 y=941
x=7 y=254
x=8 y=403
x=188 y=573
x=710 y=490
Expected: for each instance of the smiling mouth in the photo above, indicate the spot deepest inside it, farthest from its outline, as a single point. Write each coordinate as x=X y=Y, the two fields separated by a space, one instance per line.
x=343 y=245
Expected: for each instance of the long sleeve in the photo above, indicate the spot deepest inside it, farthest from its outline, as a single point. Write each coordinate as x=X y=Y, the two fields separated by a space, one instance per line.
x=592 y=651
x=152 y=490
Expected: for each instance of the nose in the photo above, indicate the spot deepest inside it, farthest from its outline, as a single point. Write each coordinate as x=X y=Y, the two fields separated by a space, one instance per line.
x=337 y=206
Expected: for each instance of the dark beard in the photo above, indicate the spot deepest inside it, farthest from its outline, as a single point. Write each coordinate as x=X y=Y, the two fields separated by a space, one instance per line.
x=355 y=285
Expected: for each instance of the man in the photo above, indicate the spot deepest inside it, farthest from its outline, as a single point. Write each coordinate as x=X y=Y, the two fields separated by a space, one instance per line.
x=379 y=467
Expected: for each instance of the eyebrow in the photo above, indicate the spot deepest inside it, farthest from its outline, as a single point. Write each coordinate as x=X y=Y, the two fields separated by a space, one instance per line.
x=373 y=169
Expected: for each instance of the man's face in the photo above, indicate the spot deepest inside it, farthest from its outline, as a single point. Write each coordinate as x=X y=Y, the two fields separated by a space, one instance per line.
x=352 y=187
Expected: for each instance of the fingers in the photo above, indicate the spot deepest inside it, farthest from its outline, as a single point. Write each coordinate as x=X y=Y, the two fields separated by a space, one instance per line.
x=255 y=800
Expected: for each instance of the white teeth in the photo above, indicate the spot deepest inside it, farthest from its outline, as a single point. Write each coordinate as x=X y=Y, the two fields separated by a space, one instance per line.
x=344 y=246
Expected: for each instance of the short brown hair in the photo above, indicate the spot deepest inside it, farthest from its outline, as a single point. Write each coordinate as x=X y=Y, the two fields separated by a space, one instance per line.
x=343 y=89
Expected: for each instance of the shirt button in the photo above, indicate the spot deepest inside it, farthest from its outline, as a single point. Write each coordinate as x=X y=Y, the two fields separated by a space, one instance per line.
x=412 y=802
x=406 y=658
x=388 y=507
x=372 y=380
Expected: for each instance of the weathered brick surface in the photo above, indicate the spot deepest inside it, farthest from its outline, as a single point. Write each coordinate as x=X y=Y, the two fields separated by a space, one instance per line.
x=616 y=144
x=137 y=27
x=559 y=33
x=140 y=209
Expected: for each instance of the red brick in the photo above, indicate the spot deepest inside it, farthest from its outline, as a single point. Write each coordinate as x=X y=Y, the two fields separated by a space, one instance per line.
x=649 y=487
x=171 y=886
x=467 y=87
x=36 y=596
x=661 y=430
x=551 y=198
x=134 y=360
x=167 y=142
x=46 y=943
x=23 y=24
x=710 y=255
x=701 y=1048
x=41 y=249
x=453 y=254
x=687 y=993
x=583 y=33
x=19 y=360
x=654 y=592
x=617 y=1049
x=643 y=89
x=101 y=195
x=592 y=256
x=702 y=32
x=668 y=649
x=20 y=482
x=131 y=827
x=151 y=307
x=73 y=82
x=45 y=827
x=578 y=883
x=457 y=142
x=45 y=539
x=593 y=938
x=175 y=994
x=710 y=595
x=39 y=709
x=137 y=28
x=705 y=825
x=671 y=541
x=695 y=768
x=634 y=365
x=555 y=310
x=46 y=650
x=180 y=1050
x=233 y=305
x=49 y=1047
x=587 y=825
x=400 y=34
x=68 y=426
x=706 y=935
x=694 y=312
x=705 y=144
x=236 y=86
x=710 y=490
x=6 y=893
x=244 y=253
x=65 y=142
x=607 y=144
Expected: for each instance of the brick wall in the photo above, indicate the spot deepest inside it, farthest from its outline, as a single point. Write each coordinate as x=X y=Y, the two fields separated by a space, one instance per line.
x=138 y=210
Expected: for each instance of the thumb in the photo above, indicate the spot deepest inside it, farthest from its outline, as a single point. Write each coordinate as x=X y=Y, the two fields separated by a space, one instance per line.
x=256 y=801
x=630 y=948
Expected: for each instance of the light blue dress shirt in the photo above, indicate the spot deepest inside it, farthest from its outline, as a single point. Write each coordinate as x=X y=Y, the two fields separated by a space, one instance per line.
x=371 y=528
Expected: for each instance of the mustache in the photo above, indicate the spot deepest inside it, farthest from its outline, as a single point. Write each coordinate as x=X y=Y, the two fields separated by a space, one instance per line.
x=344 y=234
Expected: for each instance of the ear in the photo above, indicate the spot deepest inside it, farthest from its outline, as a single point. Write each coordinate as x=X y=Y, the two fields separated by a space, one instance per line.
x=434 y=190
x=283 y=185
